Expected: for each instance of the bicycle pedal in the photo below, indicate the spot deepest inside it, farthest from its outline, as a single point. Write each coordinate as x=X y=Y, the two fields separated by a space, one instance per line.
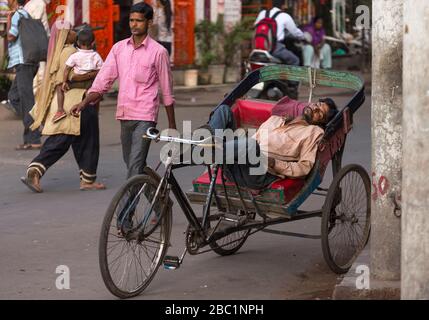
x=171 y=262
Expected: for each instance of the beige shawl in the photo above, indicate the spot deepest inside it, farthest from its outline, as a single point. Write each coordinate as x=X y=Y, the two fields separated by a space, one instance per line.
x=46 y=97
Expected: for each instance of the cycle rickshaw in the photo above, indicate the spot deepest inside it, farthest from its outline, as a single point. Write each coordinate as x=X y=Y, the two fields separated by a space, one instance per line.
x=136 y=230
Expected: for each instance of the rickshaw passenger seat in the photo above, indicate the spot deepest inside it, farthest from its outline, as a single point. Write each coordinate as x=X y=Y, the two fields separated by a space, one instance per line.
x=251 y=114
x=280 y=191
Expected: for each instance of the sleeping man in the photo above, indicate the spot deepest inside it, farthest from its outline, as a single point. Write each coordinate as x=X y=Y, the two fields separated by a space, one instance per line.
x=289 y=144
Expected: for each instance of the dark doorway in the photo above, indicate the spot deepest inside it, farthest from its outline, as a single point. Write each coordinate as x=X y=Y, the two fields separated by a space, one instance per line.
x=122 y=27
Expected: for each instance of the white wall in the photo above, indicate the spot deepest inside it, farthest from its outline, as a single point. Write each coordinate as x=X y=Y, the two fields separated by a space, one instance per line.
x=199 y=10
x=232 y=13
x=85 y=11
x=230 y=8
x=214 y=9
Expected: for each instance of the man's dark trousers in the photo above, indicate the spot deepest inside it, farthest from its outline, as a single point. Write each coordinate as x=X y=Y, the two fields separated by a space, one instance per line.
x=86 y=147
x=223 y=118
x=21 y=97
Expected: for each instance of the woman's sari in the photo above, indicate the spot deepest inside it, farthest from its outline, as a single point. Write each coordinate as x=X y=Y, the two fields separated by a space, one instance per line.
x=46 y=99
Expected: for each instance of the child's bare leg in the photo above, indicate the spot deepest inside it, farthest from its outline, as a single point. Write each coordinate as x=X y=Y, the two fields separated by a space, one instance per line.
x=60 y=114
x=60 y=98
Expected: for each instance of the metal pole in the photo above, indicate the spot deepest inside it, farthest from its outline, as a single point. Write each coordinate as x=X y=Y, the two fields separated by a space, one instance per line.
x=386 y=138
x=415 y=194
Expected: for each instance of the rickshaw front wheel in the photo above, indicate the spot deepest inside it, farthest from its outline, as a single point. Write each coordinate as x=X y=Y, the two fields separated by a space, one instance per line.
x=129 y=258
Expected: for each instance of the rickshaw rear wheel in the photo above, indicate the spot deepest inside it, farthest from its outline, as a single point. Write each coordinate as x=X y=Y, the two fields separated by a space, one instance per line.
x=346 y=218
x=231 y=243
x=129 y=259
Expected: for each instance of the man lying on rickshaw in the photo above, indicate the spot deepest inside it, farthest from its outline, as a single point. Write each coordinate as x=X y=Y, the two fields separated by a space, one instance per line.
x=289 y=144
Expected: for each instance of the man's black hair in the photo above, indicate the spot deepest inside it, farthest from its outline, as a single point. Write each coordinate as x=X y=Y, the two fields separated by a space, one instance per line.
x=333 y=110
x=21 y=2
x=144 y=8
x=278 y=3
x=85 y=37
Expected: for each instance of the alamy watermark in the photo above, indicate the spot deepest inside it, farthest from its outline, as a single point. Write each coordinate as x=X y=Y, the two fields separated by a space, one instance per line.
x=363 y=280
x=364 y=19
x=63 y=280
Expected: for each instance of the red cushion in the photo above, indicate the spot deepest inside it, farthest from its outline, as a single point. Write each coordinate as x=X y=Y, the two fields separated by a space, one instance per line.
x=251 y=113
x=290 y=187
x=286 y=188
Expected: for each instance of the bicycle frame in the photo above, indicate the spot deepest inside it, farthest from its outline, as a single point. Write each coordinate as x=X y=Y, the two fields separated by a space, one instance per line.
x=168 y=181
x=198 y=224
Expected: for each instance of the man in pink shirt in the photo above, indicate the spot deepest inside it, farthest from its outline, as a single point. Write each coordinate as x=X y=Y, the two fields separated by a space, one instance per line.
x=142 y=66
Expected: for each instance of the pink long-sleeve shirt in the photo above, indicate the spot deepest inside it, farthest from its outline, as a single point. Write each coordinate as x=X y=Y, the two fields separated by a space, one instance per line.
x=141 y=72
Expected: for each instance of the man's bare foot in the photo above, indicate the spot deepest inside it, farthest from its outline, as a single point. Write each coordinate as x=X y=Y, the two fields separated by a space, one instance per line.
x=32 y=180
x=92 y=186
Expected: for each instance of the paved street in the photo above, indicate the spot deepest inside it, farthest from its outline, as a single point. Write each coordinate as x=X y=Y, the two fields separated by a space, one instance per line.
x=39 y=232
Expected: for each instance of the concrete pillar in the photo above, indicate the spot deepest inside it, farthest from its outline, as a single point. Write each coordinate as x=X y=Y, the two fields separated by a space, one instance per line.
x=386 y=137
x=415 y=194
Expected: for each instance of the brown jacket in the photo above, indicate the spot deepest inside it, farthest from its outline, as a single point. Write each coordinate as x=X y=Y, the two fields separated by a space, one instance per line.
x=293 y=145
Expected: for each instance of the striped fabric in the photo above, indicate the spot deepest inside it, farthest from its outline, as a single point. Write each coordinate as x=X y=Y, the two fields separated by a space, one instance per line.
x=86 y=177
x=40 y=168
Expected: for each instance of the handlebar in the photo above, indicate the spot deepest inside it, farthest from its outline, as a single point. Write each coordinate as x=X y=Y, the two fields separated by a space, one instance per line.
x=154 y=134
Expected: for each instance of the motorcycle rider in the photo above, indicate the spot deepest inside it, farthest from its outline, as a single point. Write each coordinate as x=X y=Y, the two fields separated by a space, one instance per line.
x=285 y=24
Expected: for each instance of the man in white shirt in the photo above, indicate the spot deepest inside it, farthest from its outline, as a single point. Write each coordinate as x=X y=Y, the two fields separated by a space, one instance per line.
x=285 y=24
x=37 y=10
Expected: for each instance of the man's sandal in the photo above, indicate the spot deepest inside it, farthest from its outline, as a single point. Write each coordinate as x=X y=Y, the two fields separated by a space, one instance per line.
x=28 y=146
x=32 y=181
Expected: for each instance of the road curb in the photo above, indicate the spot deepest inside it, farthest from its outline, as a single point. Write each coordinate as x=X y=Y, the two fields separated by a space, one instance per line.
x=201 y=87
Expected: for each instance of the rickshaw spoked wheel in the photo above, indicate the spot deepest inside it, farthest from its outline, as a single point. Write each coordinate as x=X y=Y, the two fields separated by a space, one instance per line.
x=129 y=263
x=346 y=218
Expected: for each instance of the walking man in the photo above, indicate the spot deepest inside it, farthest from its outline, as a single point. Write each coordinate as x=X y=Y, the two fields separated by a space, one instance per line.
x=21 y=94
x=141 y=65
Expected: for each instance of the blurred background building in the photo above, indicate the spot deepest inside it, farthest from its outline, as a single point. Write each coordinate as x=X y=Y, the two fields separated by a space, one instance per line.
x=110 y=20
